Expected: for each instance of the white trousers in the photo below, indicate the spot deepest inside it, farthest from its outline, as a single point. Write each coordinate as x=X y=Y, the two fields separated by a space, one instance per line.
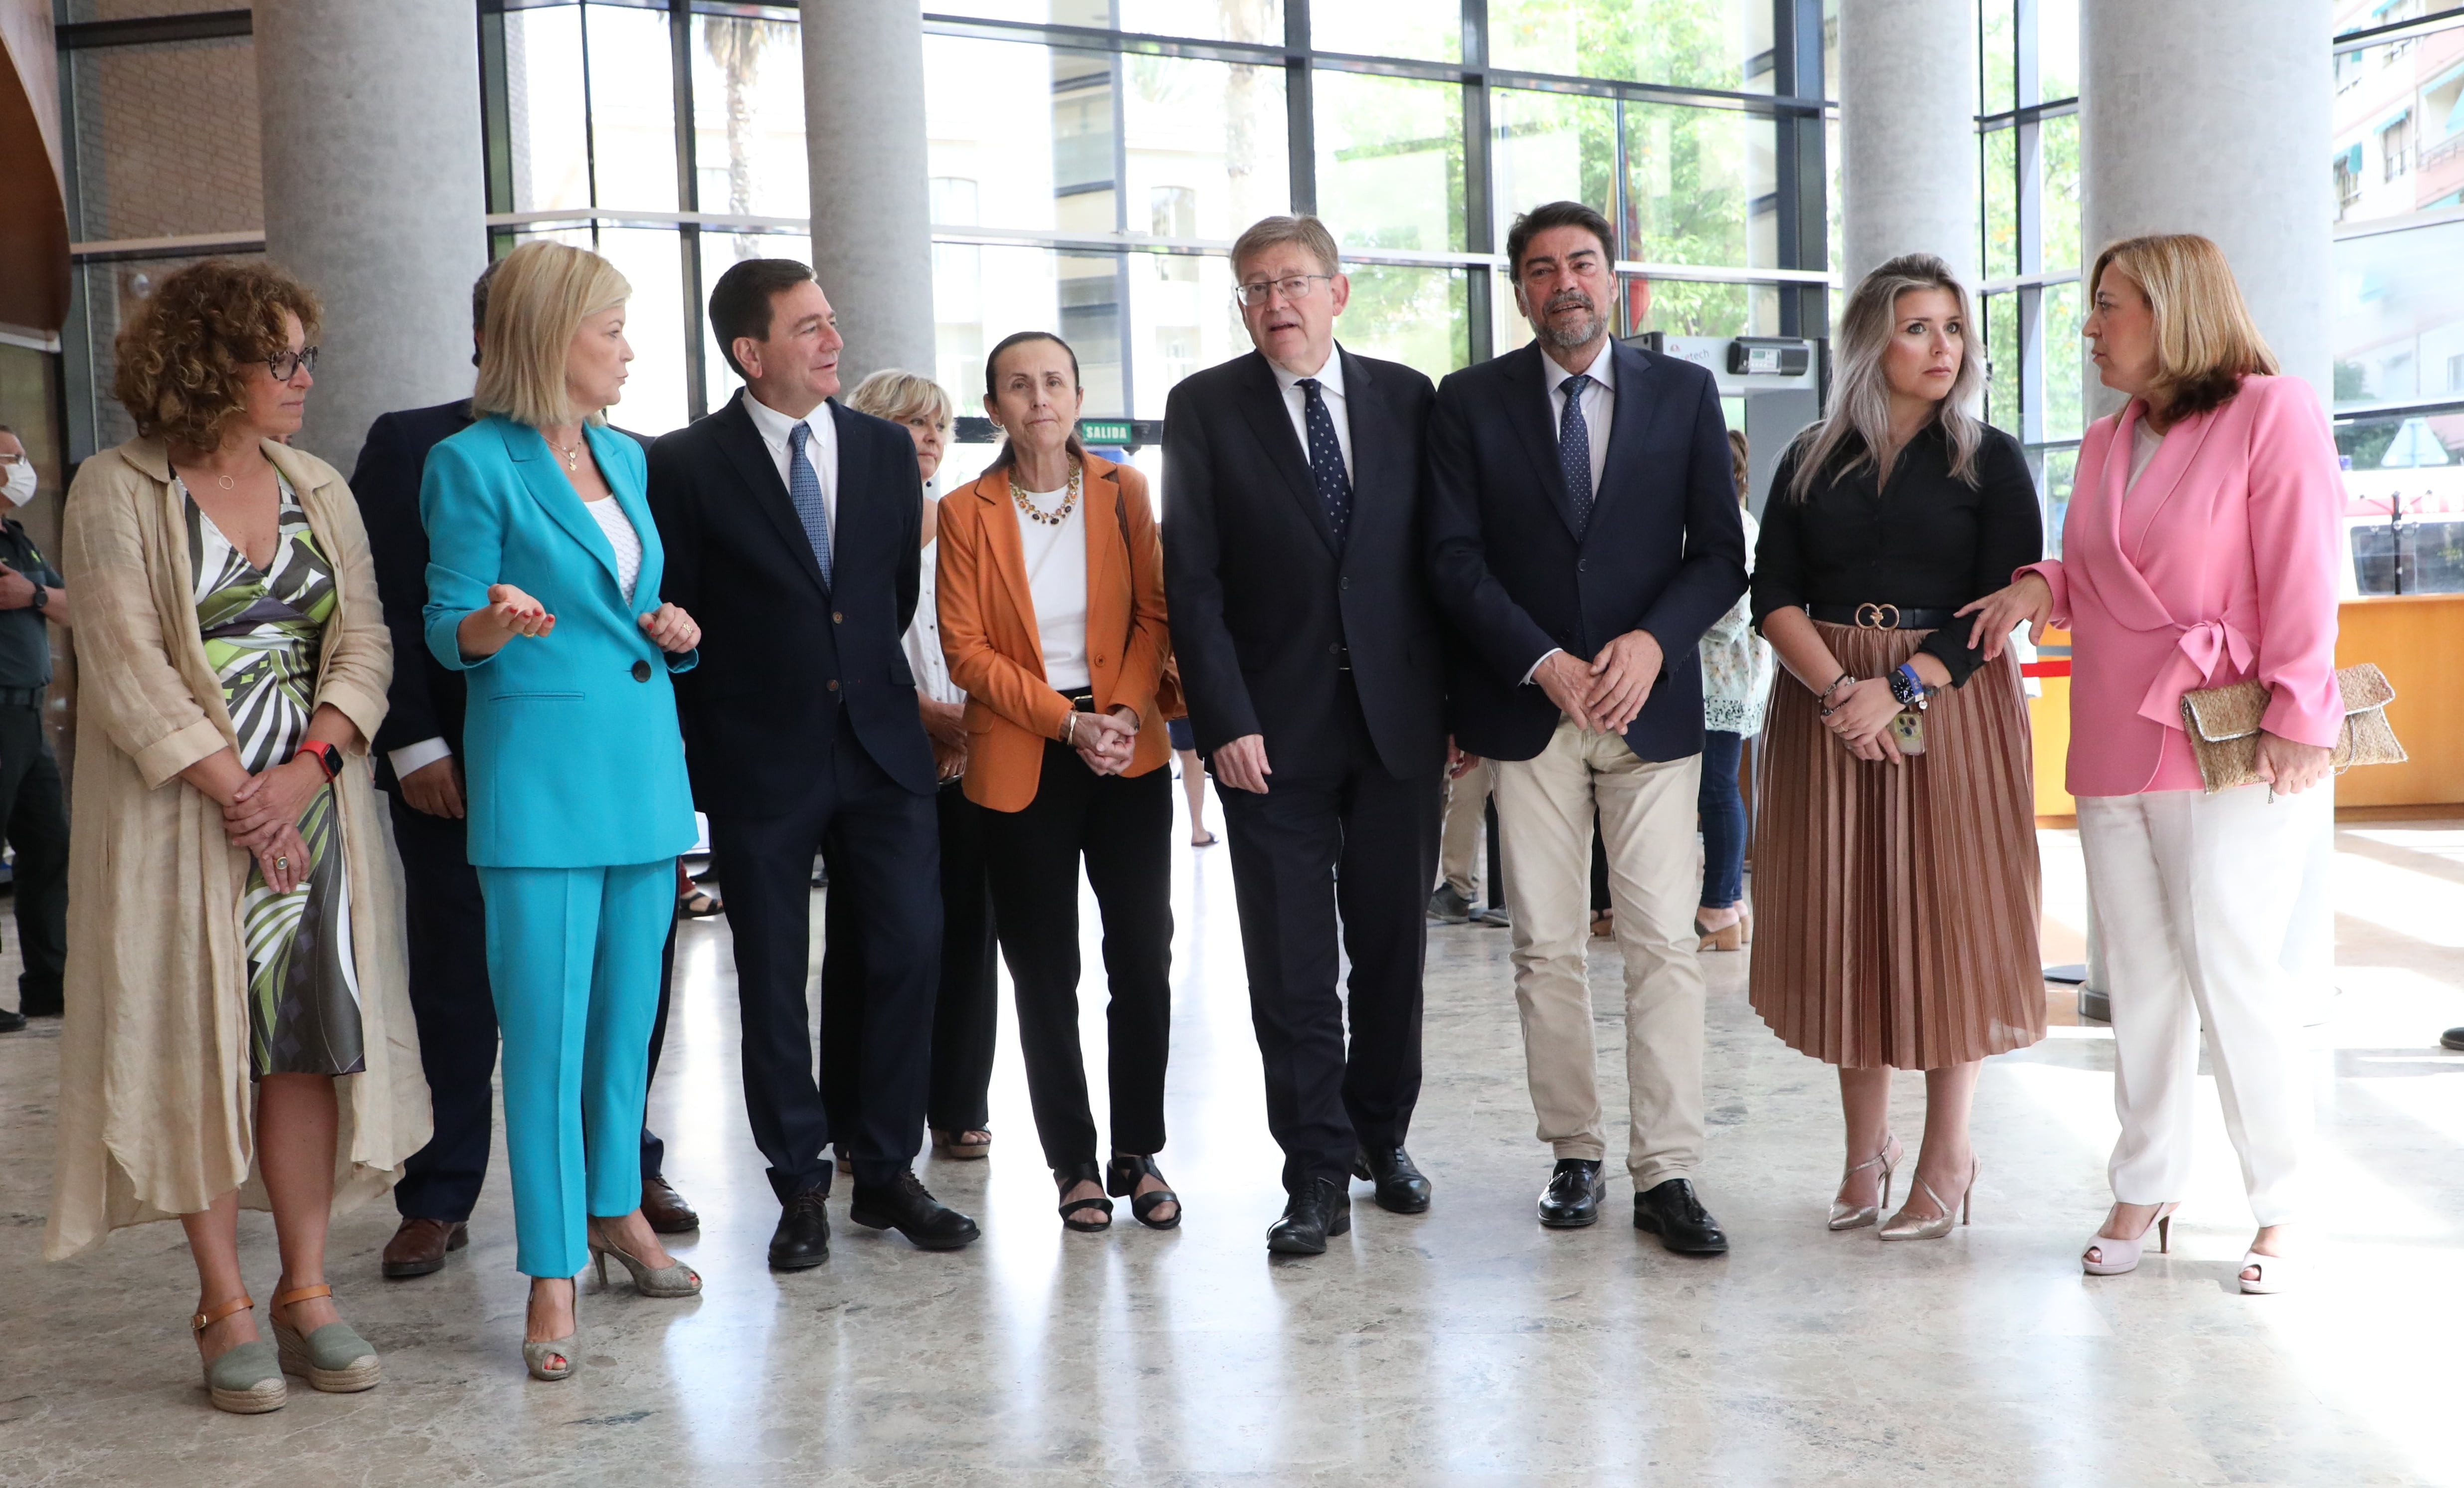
x=1545 y=807
x=2193 y=894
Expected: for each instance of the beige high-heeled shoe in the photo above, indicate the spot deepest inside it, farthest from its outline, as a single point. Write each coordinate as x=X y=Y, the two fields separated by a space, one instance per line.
x=1856 y=1217
x=1935 y=1226
x=555 y=1359
x=675 y=1278
x=1736 y=935
x=334 y=1358
x=2119 y=1256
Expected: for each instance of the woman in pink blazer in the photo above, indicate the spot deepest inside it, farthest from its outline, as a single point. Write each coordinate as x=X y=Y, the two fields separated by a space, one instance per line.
x=2200 y=549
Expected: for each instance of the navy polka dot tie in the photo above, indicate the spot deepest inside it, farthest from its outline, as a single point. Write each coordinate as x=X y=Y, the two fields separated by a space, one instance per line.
x=1574 y=451
x=1326 y=460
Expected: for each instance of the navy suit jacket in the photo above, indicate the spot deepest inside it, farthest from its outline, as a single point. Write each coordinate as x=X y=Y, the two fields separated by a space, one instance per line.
x=427 y=700
x=1262 y=602
x=1664 y=551
x=786 y=660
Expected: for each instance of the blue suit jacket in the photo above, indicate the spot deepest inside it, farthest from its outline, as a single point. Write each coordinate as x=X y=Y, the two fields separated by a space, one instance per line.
x=570 y=747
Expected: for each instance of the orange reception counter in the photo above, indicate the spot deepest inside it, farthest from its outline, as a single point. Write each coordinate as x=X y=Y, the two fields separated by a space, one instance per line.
x=2417 y=640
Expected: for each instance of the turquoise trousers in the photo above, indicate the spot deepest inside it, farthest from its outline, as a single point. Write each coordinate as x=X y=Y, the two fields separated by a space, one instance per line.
x=573 y=958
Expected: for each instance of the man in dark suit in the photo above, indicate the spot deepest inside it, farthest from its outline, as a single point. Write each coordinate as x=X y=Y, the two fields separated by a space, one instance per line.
x=1583 y=535
x=1310 y=655
x=445 y=922
x=791 y=526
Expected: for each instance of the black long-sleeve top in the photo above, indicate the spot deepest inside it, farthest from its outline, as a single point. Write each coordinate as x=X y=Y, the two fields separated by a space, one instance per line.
x=1928 y=541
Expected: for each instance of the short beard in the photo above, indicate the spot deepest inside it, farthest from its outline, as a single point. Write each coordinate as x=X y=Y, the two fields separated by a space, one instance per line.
x=1545 y=330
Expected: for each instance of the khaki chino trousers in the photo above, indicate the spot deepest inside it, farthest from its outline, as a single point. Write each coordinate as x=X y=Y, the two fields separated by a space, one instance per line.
x=1545 y=807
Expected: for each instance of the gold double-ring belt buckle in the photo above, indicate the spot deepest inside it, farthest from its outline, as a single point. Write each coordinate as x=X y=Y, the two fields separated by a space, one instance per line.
x=1871 y=617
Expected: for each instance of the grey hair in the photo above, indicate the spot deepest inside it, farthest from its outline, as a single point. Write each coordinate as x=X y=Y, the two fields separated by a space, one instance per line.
x=1860 y=417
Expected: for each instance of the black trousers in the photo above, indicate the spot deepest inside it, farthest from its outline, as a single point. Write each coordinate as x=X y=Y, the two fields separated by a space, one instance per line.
x=1337 y=845
x=880 y=843
x=966 y=1010
x=35 y=820
x=445 y=922
x=1121 y=827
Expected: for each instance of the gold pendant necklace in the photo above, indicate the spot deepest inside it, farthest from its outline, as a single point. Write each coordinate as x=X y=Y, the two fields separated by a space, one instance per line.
x=572 y=458
x=1068 y=501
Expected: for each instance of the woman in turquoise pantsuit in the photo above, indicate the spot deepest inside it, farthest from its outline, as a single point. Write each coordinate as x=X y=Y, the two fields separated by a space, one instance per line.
x=543 y=583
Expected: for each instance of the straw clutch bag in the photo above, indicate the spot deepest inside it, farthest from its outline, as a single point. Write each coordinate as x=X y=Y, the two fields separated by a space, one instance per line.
x=2222 y=725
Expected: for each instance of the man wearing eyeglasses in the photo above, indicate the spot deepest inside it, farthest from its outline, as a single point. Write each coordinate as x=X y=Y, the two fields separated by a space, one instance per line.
x=1309 y=654
x=33 y=816
x=1583 y=535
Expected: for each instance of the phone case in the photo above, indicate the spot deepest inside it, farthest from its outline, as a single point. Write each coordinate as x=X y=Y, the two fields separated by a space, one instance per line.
x=1907 y=730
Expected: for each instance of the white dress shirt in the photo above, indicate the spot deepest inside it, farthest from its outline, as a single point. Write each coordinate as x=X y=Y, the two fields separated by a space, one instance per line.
x=922 y=641
x=822 y=449
x=1329 y=381
x=1056 y=584
x=1599 y=408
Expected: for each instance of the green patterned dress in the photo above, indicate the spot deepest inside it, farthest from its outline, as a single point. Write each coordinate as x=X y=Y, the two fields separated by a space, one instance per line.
x=262 y=631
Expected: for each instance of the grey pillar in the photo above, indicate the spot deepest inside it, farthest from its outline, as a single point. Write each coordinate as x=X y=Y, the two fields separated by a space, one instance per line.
x=2211 y=120
x=1907 y=132
x=375 y=195
x=873 y=215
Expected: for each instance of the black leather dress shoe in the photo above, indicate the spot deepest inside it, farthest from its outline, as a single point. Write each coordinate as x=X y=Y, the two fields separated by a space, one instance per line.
x=1403 y=1189
x=802 y=1238
x=905 y=1207
x=11 y=1022
x=2453 y=1039
x=1670 y=1211
x=1317 y=1212
x=1573 y=1197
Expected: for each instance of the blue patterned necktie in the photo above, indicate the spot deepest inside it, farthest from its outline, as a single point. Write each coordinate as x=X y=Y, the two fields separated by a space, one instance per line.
x=804 y=490
x=1326 y=460
x=1574 y=451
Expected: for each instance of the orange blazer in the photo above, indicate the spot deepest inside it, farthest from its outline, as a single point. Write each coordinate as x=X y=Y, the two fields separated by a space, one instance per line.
x=995 y=648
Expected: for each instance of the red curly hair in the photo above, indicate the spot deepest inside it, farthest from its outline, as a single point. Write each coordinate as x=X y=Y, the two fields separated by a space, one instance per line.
x=184 y=356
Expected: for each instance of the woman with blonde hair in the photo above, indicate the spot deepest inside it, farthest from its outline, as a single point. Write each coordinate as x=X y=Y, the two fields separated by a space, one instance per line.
x=2200 y=550
x=1895 y=841
x=965 y=1010
x=238 y=1029
x=543 y=578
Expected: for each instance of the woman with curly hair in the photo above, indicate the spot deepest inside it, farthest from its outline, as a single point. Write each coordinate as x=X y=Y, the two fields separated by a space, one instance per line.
x=234 y=951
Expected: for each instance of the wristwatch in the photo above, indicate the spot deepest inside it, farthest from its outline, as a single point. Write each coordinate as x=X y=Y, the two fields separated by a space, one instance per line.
x=42 y=597
x=328 y=757
x=1908 y=688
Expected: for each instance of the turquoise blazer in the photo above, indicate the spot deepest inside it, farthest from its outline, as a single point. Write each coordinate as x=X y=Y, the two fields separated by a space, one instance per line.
x=570 y=751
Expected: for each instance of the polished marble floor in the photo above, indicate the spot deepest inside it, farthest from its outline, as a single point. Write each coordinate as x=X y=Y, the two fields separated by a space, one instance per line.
x=1466 y=1345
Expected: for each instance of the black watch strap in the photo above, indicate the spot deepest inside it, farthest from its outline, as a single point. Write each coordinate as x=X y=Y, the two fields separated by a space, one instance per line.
x=42 y=596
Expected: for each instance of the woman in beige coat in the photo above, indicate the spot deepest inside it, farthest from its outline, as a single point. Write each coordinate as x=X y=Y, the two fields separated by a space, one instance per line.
x=235 y=949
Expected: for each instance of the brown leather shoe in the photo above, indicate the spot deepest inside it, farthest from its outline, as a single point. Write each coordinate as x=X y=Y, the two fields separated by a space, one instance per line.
x=419 y=1246
x=666 y=1209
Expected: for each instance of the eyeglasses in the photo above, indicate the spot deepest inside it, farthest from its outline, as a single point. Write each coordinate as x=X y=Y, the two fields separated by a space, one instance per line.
x=7 y=457
x=288 y=364
x=1300 y=286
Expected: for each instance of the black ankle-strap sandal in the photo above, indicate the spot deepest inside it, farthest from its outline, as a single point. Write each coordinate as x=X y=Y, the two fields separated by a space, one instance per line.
x=1069 y=1178
x=1123 y=1178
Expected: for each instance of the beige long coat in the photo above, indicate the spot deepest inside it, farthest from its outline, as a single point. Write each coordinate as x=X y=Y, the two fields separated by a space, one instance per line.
x=156 y=1106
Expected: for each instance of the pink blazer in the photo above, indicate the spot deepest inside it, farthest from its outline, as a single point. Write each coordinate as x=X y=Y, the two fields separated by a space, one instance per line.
x=2219 y=567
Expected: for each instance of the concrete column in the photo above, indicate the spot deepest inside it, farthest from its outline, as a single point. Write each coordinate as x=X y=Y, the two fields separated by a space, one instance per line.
x=375 y=196
x=872 y=218
x=2213 y=120
x=1907 y=133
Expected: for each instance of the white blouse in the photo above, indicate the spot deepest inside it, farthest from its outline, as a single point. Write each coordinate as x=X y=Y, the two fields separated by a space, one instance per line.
x=1056 y=582
x=621 y=537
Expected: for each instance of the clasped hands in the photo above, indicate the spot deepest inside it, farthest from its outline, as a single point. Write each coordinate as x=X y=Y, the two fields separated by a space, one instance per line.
x=263 y=817
x=1607 y=692
x=1106 y=741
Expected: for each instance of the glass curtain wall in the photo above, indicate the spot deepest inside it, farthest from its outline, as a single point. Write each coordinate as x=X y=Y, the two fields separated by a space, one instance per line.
x=2028 y=168
x=1092 y=159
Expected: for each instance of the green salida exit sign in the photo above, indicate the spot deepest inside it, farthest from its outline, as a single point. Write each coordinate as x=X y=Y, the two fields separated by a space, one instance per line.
x=1103 y=431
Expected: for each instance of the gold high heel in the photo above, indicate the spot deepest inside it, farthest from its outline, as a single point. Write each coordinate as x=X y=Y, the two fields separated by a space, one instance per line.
x=1856 y=1217
x=1903 y=1228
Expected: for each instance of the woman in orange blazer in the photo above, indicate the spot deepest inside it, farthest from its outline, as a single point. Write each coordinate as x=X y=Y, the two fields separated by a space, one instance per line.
x=1050 y=587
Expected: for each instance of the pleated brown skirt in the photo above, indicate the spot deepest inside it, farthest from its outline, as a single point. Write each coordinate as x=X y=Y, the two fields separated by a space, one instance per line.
x=1896 y=906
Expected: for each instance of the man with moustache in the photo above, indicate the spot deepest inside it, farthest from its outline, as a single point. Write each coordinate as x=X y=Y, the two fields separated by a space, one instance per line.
x=1583 y=535
x=791 y=526
x=1309 y=654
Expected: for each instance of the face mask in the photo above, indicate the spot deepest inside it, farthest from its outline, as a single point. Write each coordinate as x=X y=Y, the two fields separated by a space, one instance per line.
x=20 y=488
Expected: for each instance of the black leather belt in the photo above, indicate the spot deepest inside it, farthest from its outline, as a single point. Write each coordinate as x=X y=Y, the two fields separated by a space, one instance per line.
x=1083 y=700
x=21 y=697
x=1880 y=617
